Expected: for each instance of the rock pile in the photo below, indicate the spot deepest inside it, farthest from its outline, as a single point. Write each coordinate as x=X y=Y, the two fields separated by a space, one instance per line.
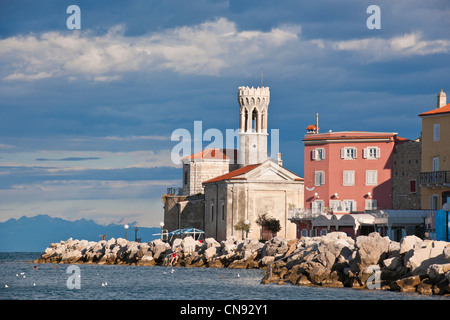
x=333 y=260
x=375 y=262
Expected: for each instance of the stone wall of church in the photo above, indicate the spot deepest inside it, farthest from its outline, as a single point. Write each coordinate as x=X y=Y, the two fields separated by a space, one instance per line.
x=196 y=172
x=227 y=204
x=183 y=212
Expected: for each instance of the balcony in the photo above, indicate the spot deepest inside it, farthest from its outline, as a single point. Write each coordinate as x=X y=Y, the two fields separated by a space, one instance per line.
x=435 y=179
x=305 y=213
x=174 y=191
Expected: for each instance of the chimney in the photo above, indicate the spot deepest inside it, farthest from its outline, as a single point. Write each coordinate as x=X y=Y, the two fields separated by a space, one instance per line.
x=280 y=162
x=317 y=123
x=441 y=99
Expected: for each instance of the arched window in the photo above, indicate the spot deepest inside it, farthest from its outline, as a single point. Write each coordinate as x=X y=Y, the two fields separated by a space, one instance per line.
x=263 y=120
x=254 y=120
x=246 y=120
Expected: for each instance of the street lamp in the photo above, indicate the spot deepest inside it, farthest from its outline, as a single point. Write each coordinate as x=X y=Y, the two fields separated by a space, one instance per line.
x=446 y=208
x=135 y=234
x=126 y=228
x=161 y=224
x=246 y=222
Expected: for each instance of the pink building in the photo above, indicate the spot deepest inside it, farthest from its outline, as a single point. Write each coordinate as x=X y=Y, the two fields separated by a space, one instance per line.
x=348 y=171
x=346 y=175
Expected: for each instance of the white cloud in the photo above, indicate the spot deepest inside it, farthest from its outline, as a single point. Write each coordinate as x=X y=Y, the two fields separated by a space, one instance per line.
x=28 y=77
x=204 y=49
x=376 y=49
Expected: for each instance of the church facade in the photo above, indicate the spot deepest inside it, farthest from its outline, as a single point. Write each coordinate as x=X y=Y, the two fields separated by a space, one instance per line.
x=237 y=186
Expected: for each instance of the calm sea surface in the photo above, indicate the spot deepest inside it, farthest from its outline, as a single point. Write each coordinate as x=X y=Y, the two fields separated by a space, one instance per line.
x=159 y=283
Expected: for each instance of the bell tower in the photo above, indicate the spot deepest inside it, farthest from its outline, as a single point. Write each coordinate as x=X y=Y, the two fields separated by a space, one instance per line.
x=254 y=104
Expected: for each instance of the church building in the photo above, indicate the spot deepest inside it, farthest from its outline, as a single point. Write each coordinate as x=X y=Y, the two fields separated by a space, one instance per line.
x=237 y=186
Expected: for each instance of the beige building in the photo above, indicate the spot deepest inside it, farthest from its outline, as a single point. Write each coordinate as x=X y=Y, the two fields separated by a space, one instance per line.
x=222 y=187
x=435 y=171
x=248 y=192
x=205 y=165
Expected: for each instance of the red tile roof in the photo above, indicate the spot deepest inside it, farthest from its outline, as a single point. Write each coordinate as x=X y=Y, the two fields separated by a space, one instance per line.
x=213 y=154
x=444 y=109
x=234 y=174
x=345 y=135
x=399 y=140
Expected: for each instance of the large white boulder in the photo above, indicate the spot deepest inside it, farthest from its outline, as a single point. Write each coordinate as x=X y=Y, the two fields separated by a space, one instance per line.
x=424 y=255
x=210 y=252
x=409 y=243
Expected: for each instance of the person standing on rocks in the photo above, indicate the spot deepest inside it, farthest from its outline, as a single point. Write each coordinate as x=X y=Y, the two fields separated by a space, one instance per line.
x=174 y=257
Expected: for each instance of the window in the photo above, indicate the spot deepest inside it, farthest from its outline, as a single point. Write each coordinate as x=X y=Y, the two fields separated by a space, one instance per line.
x=348 y=153
x=435 y=163
x=318 y=154
x=336 y=205
x=222 y=210
x=412 y=186
x=211 y=210
x=323 y=232
x=371 y=204
x=371 y=153
x=319 y=178
x=318 y=206
x=349 y=178
x=304 y=232
x=349 y=205
x=436 y=132
x=186 y=177
x=371 y=177
x=434 y=202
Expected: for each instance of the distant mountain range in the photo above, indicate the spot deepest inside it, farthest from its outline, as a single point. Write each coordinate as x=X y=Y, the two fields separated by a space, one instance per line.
x=34 y=234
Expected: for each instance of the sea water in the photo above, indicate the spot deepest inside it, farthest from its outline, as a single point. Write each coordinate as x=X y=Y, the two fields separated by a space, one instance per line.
x=20 y=280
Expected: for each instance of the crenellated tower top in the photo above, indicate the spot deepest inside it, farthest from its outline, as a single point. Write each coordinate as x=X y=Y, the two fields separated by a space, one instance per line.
x=254 y=104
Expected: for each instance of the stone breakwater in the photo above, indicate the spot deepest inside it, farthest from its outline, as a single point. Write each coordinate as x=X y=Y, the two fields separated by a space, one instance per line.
x=334 y=260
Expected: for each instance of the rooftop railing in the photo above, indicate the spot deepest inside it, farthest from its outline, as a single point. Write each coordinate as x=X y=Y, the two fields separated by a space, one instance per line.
x=175 y=191
x=305 y=213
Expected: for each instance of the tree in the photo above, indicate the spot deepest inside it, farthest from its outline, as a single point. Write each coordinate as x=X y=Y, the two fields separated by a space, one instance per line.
x=241 y=226
x=271 y=224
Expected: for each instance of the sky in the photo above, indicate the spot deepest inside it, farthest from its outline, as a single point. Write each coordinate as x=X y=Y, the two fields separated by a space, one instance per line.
x=86 y=115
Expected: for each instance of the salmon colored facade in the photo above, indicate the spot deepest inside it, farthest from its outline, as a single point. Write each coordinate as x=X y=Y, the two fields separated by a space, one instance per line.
x=348 y=171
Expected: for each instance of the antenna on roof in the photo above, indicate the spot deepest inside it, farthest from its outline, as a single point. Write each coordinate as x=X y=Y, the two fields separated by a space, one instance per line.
x=317 y=123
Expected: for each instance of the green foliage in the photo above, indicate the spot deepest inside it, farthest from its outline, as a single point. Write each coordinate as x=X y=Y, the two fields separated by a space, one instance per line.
x=241 y=226
x=269 y=223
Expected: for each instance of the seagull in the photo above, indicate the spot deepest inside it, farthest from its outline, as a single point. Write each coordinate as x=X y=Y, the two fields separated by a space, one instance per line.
x=172 y=271
x=34 y=283
x=103 y=284
x=17 y=275
x=22 y=273
x=164 y=272
x=239 y=275
x=24 y=276
x=6 y=286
